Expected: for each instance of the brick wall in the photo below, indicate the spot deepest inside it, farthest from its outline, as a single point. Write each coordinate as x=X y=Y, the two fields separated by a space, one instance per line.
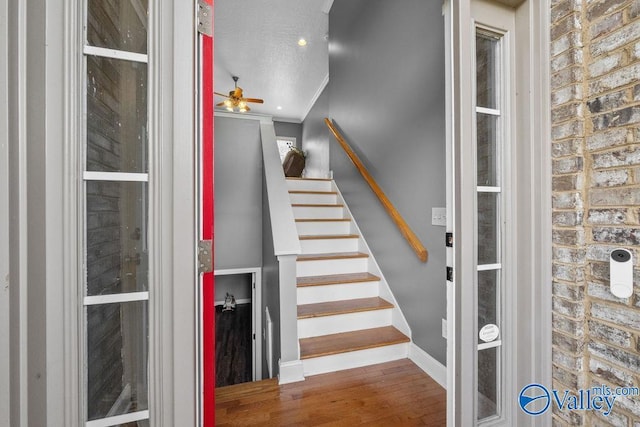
x=595 y=84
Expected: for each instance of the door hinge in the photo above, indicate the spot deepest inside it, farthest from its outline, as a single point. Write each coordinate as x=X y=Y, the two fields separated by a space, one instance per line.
x=448 y=240
x=450 y=274
x=205 y=18
x=205 y=258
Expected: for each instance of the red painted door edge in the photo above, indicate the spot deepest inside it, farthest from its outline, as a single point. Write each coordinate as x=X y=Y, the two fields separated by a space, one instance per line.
x=207 y=215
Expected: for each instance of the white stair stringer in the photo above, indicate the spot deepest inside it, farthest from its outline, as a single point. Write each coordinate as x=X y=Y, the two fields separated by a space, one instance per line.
x=332 y=245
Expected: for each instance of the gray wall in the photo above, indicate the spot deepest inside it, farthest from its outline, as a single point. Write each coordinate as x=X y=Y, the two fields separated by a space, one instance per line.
x=238 y=285
x=387 y=95
x=292 y=130
x=316 y=138
x=238 y=193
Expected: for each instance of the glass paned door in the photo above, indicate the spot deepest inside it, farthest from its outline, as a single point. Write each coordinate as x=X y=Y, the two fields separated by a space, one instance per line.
x=116 y=212
x=489 y=232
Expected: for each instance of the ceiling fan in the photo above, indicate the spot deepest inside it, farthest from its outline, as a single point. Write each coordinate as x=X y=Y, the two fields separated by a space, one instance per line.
x=235 y=100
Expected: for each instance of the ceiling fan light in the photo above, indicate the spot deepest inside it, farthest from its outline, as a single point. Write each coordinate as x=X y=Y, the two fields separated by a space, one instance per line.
x=243 y=109
x=227 y=103
x=242 y=104
x=230 y=109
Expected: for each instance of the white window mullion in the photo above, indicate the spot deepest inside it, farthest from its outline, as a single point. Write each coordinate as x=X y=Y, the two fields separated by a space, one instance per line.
x=486 y=267
x=489 y=111
x=115 y=176
x=492 y=344
x=115 y=54
x=488 y=189
x=119 y=419
x=116 y=298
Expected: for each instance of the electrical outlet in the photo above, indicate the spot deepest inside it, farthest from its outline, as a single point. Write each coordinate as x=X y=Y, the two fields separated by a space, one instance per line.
x=444 y=328
x=439 y=216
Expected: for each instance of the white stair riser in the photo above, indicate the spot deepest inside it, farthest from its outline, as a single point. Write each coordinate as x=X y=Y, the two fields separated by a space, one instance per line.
x=323 y=227
x=318 y=199
x=339 y=292
x=325 y=325
x=324 y=246
x=331 y=266
x=308 y=185
x=355 y=359
x=311 y=212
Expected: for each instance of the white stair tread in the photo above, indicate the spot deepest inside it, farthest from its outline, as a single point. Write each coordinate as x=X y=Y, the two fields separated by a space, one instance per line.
x=327 y=236
x=350 y=341
x=332 y=255
x=332 y=308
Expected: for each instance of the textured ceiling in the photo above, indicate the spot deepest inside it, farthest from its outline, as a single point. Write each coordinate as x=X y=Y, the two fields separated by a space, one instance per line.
x=256 y=40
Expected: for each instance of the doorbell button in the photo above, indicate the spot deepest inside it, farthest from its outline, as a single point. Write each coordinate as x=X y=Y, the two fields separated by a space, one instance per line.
x=621 y=272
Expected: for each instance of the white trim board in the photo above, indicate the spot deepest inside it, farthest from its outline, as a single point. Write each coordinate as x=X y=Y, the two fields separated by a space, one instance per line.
x=428 y=364
x=287 y=120
x=119 y=419
x=262 y=118
x=290 y=372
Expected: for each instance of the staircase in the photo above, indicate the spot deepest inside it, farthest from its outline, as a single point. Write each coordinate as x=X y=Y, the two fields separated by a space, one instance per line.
x=347 y=315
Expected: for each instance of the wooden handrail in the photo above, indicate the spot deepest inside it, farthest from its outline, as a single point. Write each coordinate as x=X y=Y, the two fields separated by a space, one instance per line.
x=406 y=231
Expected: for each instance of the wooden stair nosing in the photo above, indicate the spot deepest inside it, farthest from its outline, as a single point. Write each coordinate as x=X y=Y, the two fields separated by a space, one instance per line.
x=332 y=256
x=344 y=342
x=335 y=279
x=333 y=308
x=327 y=236
x=323 y=220
x=317 y=205
x=295 y=178
x=322 y=193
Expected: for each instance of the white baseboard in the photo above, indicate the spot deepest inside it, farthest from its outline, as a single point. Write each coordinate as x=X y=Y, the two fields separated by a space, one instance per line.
x=238 y=301
x=290 y=372
x=428 y=364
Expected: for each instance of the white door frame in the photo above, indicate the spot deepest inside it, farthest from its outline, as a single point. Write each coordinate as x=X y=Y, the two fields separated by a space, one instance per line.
x=256 y=313
x=531 y=356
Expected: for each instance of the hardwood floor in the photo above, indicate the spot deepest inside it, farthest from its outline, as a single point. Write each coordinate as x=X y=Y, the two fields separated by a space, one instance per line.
x=389 y=394
x=233 y=346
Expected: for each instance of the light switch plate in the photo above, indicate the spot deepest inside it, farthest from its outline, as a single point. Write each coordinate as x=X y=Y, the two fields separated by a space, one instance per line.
x=444 y=328
x=439 y=216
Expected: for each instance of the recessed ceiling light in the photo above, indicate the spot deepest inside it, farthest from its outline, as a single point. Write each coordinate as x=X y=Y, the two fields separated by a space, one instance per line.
x=279 y=107
x=302 y=42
